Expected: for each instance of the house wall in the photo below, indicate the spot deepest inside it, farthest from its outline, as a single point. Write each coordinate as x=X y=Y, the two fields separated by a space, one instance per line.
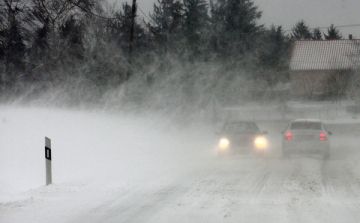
x=308 y=83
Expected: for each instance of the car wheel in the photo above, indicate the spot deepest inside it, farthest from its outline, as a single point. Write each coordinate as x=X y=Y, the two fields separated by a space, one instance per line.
x=327 y=155
x=285 y=151
x=285 y=154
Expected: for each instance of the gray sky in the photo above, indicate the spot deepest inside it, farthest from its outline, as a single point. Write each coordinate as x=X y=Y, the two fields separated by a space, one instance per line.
x=316 y=13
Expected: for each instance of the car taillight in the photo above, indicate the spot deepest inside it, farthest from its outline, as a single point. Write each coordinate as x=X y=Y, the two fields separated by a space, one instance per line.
x=322 y=137
x=288 y=135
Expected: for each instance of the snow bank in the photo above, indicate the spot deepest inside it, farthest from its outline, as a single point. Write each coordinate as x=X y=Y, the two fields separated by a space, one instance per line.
x=88 y=146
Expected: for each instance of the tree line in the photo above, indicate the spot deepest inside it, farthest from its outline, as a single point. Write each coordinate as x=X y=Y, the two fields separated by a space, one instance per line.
x=192 y=48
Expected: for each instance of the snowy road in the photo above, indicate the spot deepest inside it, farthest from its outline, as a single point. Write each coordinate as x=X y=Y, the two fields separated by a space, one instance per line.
x=245 y=190
x=181 y=182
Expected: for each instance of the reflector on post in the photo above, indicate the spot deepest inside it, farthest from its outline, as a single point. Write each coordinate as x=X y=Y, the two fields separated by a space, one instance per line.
x=48 y=161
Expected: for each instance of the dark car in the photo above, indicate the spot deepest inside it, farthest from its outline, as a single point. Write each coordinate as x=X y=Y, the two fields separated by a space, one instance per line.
x=241 y=137
x=306 y=136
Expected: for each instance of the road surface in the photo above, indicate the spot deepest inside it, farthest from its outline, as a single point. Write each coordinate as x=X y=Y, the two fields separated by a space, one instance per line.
x=198 y=187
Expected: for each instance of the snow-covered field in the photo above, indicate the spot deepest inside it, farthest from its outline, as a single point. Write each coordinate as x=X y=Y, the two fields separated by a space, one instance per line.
x=125 y=168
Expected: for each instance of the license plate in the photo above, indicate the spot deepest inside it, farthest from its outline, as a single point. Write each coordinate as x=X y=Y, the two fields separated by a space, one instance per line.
x=306 y=137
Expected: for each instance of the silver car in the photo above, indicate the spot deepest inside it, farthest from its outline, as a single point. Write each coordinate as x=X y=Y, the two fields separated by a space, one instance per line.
x=306 y=135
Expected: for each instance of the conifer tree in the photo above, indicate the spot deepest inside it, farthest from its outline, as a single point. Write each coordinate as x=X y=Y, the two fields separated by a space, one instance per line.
x=333 y=33
x=118 y=29
x=316 y=34
x=301 y=31
x=71 y=34
x=12 y=46
x=38 y=52
x=235 y=28
x=166 y=25
x=273 y=62
x=196 y=21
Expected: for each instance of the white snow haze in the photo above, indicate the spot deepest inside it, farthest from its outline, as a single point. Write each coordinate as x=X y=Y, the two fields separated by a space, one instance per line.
x=117 y=167
x=111 y=151
x=136 y=120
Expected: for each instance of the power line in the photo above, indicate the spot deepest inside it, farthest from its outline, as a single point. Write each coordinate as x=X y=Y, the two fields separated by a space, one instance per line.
x=90 y=12
x=103 y=17
x=349 y=25
x=342 y=26
x=145 y=15
x=112 y=18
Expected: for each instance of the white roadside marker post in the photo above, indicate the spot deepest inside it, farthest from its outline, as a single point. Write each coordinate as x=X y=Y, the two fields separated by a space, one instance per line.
x=48 y=161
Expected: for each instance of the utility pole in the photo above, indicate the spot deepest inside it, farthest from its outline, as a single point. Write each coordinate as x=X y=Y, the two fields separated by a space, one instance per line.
x=133 y=14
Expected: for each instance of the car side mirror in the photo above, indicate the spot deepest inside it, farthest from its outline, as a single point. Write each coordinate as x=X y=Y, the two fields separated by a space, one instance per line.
x=264 y=133
x=330 y=133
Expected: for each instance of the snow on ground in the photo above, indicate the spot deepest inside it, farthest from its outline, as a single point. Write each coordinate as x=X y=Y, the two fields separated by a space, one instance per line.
x=124 y=168
x=86 y=145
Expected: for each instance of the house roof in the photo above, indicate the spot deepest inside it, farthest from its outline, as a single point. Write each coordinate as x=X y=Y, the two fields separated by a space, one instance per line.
x=325 y=54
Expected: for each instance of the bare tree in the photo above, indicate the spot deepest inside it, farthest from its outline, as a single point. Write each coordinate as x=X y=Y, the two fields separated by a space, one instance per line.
x=309 y=86
x=337 y=83
x=342 y=70
x=355 y=62
x=12 y=47
x=57 y=22
x=53 y=13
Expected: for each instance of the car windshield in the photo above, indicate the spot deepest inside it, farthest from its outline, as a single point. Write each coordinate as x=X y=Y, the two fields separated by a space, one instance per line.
x=305 y=126
x=241 y=127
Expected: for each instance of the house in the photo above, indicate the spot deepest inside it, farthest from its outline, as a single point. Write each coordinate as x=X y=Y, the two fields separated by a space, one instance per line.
x=322 y=67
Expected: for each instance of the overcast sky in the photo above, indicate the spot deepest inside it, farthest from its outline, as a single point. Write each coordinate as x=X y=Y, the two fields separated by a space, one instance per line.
x=316 y=13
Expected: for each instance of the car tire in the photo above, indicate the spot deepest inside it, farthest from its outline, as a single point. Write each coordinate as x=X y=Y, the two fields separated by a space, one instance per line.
x=285 y=151
x=326 y=155
x=285 y=154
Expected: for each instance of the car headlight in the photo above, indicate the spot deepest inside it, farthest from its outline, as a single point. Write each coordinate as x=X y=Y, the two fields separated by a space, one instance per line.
x=260 y=142
x=224 y=143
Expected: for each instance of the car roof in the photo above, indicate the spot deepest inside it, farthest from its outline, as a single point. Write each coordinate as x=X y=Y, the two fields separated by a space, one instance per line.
x=239 y=122
x=306 y=120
